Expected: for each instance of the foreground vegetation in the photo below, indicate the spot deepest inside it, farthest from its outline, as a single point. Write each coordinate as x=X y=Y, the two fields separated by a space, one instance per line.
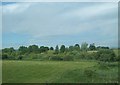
x=59 y=72
x=73 y=64
x=71 y=53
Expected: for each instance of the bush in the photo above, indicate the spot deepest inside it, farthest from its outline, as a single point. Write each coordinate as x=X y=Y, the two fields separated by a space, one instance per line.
x=20 y=57
x=76 y=54
x=82 y=55
x=68 y=58
x=55 y=57
x=9 y=57
x=87 y=55
x=38 y=56
x=106 y=55
x=4 y=56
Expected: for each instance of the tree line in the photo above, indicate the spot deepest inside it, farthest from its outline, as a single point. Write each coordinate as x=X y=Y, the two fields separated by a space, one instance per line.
x=74 y=52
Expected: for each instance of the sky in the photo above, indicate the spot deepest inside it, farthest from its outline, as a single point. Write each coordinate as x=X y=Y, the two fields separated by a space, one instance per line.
x=57 y=23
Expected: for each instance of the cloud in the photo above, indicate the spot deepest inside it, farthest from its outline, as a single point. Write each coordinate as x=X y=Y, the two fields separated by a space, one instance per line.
x=15 y=8
x=41 y=20
x=0 y=26
x=94 y=10
x=60 y=0
x=48 y=17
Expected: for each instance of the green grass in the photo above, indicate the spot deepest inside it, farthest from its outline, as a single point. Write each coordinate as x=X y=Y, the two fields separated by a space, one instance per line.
x=56 y=72
x=0 y=71
x=116 y=51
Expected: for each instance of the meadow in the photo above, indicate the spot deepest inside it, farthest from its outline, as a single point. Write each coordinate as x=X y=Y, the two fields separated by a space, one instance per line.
x=22 y=71
x=73 y=64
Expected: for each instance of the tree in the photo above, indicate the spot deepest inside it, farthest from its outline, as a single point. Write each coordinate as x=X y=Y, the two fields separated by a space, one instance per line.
x=66 y=49
x=77 y=47
x=8 y=50
x=84 y=46
x=62 y=48
x=20 y=58
x=4 y=56
x=51 y=48
x=68 y=57
x=33 y=48
x=71 y=48
x=56 y=49
x=102 y=47
x=92 y=47
x=11 y=49
x=42 y=49
x=22 y=49
x=46 y=49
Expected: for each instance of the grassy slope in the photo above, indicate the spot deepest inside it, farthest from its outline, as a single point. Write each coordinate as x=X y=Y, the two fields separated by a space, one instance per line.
x=54 y=72
x=0 y=71
x=116 y=51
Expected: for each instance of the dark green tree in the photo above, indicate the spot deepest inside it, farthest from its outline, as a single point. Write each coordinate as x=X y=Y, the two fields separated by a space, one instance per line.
x=51 y=48
x=102 y=47
x=4 y=56
x=33 y=48
x=23 y=49
x=46 y=49
x=62 y=48
x=8 y=50
x=66 y=49
x=92 y=47
x=71 y=48
x=42 y=49
x=56 y=49
x=77 y=47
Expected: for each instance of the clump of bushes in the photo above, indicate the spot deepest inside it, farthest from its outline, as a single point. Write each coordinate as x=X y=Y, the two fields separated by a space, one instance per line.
x=10 y=57
x=106 y=55
x=20 y=57
x=55 y=57
x=68 y=58
x=63 y=53
x=4 y=56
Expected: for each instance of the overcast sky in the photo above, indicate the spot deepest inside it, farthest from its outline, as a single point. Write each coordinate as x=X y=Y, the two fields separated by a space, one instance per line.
x=56 y=23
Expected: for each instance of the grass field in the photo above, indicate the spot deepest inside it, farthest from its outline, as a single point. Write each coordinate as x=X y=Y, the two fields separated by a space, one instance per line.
x=0 y=71
x=57 y=72
x=116 y=51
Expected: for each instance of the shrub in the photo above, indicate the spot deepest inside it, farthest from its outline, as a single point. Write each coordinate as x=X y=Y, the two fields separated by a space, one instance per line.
x=38 y=56
x=106 y=55
x=82 y=55
x=4 y=56
x=20 y=57
x=55 y=57
x=68 y=58
x=89 y=56
x=86 y=55
x=75 y=54
x=9 y=57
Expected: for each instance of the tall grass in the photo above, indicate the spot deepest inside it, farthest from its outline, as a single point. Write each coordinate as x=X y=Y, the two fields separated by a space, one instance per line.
x=58 y=72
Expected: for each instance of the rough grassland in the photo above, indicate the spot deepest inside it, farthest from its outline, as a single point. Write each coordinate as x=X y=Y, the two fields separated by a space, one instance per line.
x=56 y=72
x=0 y=71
